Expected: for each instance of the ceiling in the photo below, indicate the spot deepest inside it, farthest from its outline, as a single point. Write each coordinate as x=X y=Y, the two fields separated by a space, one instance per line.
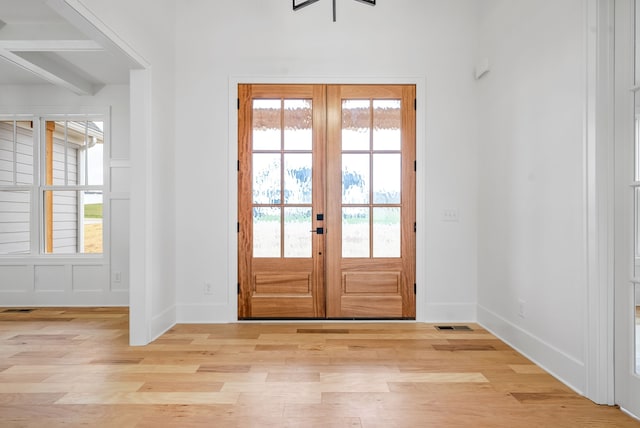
x=48 y=41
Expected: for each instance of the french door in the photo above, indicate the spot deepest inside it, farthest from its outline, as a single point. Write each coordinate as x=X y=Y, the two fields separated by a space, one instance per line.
x=326 y=201
x=627 y=196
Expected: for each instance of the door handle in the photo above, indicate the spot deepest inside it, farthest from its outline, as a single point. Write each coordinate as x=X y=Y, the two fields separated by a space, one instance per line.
x=319 y=230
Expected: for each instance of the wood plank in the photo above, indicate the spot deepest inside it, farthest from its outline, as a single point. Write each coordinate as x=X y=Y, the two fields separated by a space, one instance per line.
x=277 y=374
x=178 y=386
x=282 y=306
x=279 y=283
x=150 y=398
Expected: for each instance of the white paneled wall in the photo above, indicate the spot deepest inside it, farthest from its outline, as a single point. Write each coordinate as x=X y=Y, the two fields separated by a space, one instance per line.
x=67 y=279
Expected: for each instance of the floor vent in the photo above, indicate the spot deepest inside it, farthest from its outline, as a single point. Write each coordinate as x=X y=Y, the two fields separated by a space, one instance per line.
x=21 y=311
x=322 y=331
x=454 y=327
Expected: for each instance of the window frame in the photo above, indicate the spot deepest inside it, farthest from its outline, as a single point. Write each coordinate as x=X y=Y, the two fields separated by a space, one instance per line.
x=38 y=187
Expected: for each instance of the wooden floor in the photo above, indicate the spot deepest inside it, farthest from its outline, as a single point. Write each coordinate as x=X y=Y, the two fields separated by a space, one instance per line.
x=73 y=367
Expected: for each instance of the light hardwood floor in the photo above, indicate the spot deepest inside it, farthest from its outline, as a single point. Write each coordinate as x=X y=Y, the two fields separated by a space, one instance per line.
x=73 y=367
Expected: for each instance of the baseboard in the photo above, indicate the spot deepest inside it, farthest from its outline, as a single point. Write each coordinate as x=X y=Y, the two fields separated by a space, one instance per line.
x=565 y=368
x=220 y=314
x=205 y=314
x=64 y=299
x=161 y=323
x=636 y=417
x=449 y=312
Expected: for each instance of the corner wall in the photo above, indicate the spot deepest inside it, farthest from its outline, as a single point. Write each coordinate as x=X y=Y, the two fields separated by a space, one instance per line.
x=148 y=28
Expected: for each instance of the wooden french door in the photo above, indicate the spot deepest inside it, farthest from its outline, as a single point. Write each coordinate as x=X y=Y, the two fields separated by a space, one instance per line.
x=326 y=201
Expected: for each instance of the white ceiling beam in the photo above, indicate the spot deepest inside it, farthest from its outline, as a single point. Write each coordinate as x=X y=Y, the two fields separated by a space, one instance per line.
x=78 y=15
x=41 y=31
x=50 y=45
x=50 y=71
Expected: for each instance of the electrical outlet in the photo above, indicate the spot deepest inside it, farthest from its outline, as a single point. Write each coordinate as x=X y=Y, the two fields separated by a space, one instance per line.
x=208 y=288
x=117 y=276
x=450 y=214
x=521 y=309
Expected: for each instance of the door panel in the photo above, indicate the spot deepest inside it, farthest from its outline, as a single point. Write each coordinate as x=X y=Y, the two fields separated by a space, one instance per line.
x=356 y=145
x=280 y=193
x=370 y=201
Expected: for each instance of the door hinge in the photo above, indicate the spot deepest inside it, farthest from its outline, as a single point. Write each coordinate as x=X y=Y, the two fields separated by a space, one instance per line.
x=415 y=104
x=238 y=288
x=238 y=225
x=415 y=288
x=238 y=164
x=415 y=227
x=238 y=103
x=415 y=166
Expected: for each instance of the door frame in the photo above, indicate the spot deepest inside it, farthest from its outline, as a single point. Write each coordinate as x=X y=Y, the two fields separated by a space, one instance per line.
x=421 y=188
x=624 y=336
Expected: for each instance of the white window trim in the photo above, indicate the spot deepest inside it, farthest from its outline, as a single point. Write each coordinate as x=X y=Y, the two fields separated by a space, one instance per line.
x=38 y=115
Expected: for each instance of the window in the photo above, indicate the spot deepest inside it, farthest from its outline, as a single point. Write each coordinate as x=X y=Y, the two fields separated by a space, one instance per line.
x=51 y=186
x=16 y=182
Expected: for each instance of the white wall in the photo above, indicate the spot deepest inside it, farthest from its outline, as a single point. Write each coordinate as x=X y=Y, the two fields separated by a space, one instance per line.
x=76 y=281
x=531 y=219
x=219 y=41
x=148 y=28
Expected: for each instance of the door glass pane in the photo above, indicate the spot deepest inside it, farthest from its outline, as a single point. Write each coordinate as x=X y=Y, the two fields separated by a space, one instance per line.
x=267 y=125
x=266 y=178
x=15 y=235
x=297 y=125
x=297 y=178
x=355 y=232
x=386 y=232
x=636 y=227
x=355 y=178
x=636 y=204
x=637 y=137
x=387 y=123
x=386 y=178
x=637 y=326
x=637 y=41
x=356 y=125
x=266 y=232
x=297 y=232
